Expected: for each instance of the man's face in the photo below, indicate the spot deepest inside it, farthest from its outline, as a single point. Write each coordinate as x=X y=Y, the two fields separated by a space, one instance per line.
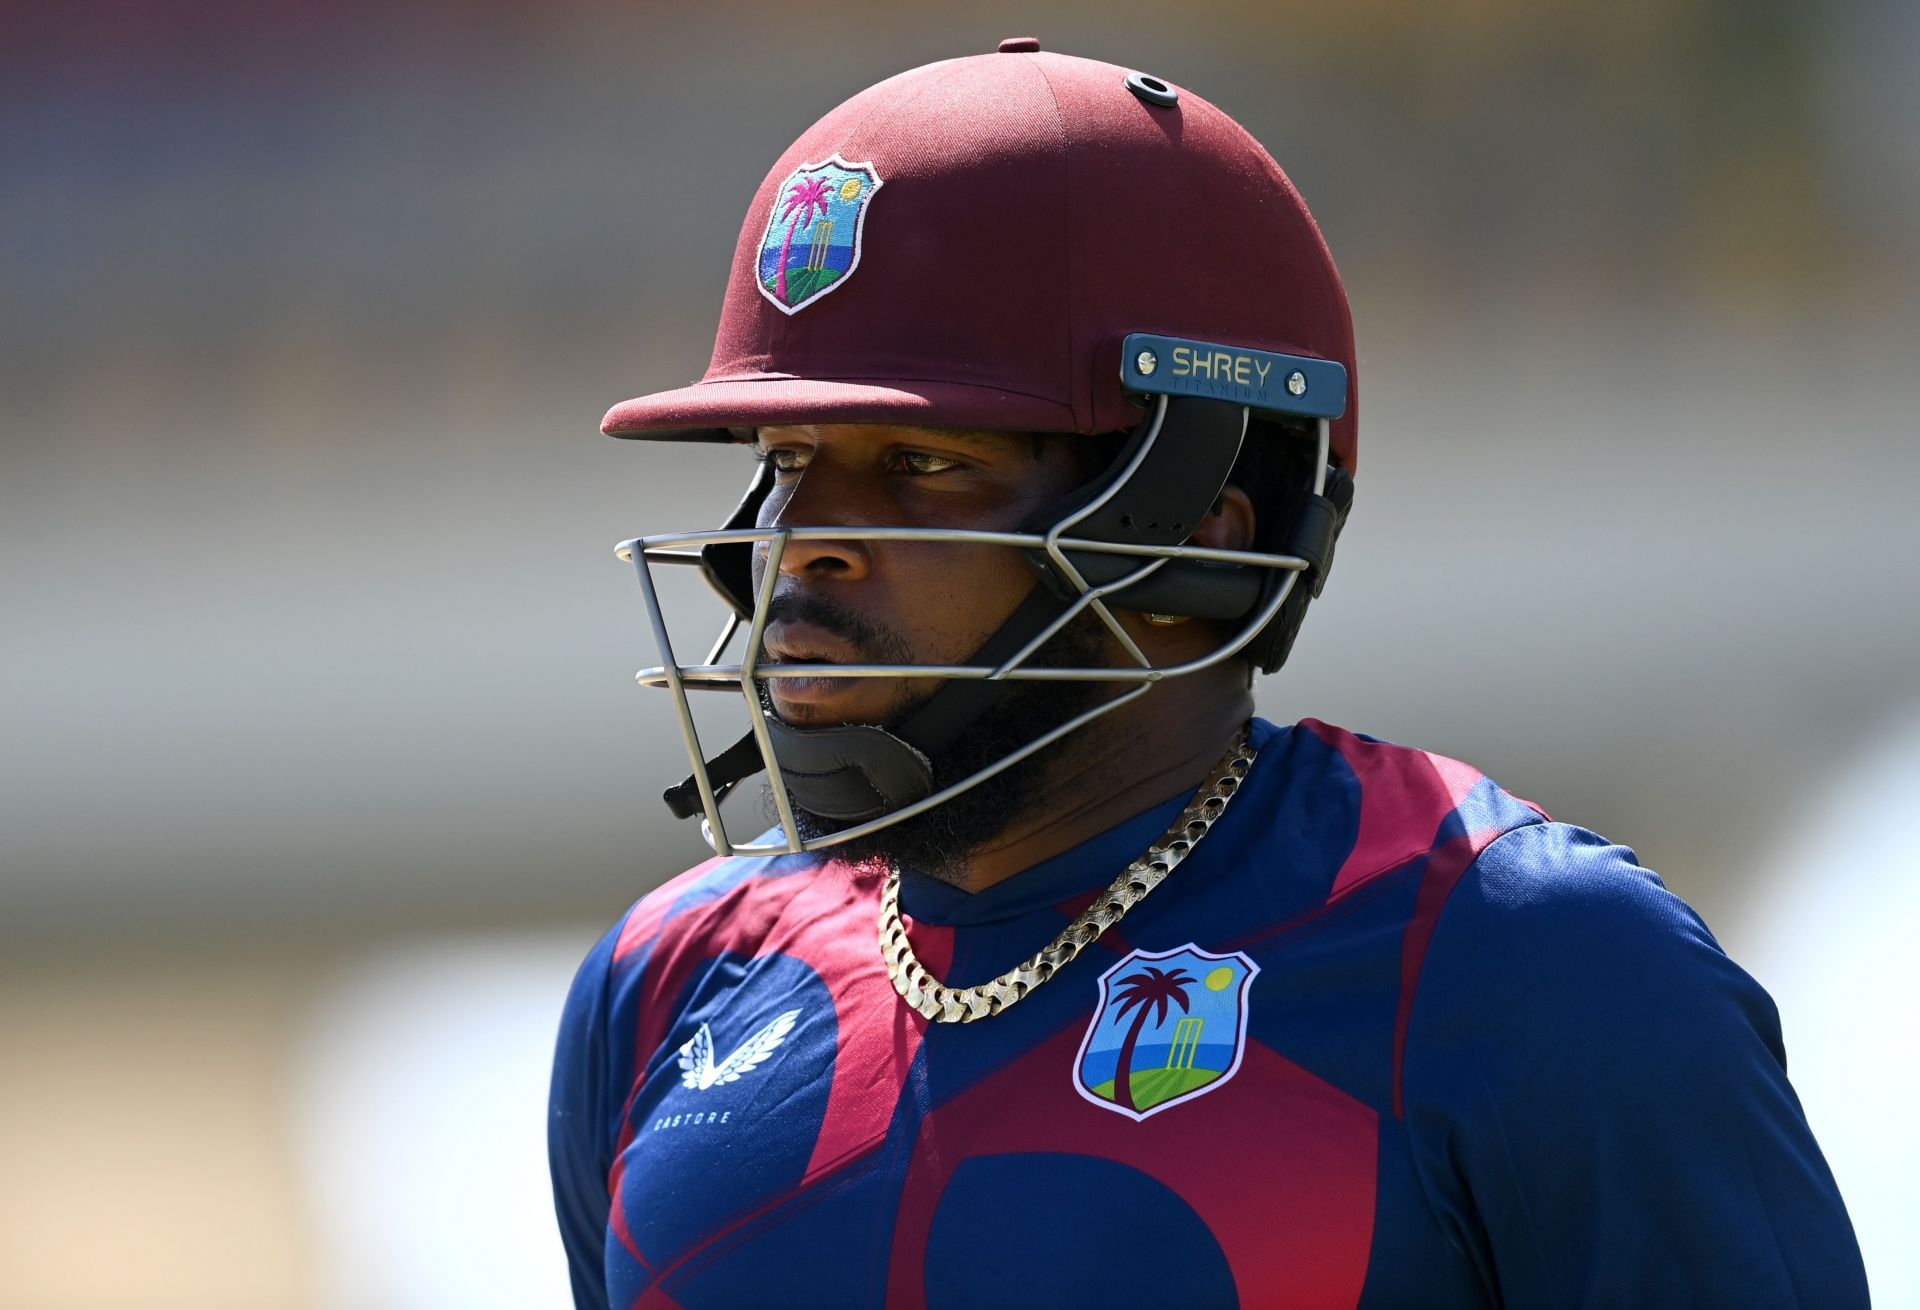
x=896 y=602
x=854 y=601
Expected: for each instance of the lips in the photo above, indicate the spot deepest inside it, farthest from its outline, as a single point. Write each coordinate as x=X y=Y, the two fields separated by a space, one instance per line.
x=807 y=643
x=820 y=700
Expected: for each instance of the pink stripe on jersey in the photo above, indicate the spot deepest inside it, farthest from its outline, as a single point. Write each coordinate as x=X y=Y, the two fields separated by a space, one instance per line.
x=828 y=920
x=654 y=1298
x=1405 y=795
x=880 y=1034
x=617 y=1213
x=652 y=910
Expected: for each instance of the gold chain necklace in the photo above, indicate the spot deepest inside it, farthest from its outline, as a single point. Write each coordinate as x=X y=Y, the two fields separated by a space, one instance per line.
x=944 y=1004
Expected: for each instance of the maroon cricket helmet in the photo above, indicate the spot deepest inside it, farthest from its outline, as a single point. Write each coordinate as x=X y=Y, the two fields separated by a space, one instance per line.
x=968 y=244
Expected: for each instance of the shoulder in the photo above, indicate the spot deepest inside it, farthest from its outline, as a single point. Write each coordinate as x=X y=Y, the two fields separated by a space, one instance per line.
x=1378 y=808
x=1596 y=1096
x=1557 y=957
x=719 y=904
x=725 y=894
x=1551 y=900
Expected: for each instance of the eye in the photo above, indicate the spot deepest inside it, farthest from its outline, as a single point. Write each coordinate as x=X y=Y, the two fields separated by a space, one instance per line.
x=785 y=459
x=919 y=462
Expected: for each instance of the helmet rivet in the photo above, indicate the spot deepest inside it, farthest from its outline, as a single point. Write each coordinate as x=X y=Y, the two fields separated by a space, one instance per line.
x=1146 y=361
x=1151 y=90
x=1297 y=383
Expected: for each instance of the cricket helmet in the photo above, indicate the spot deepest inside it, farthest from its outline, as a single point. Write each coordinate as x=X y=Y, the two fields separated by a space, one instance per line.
x=1031 y=242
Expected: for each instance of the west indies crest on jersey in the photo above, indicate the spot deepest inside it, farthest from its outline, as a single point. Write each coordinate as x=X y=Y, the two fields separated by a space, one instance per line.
x=812 y=242
x=1170 y=1026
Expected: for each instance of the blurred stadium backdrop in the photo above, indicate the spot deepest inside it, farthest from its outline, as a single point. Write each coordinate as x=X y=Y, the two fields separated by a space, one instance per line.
x=319 y=762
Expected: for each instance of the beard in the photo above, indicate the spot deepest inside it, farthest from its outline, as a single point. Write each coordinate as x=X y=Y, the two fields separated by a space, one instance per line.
x=937 y=842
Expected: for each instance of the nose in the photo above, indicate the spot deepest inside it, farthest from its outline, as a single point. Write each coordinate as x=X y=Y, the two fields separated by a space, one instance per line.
x=844 y=560
x=814 y=504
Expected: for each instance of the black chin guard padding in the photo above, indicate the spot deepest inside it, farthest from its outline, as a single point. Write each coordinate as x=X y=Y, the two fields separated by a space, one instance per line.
x=850 y=772
x=1161 y=504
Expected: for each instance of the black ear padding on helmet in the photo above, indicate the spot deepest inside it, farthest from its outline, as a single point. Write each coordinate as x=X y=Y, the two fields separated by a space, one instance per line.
x=1192 y=458
x=1313 y=528
x=1194 y=446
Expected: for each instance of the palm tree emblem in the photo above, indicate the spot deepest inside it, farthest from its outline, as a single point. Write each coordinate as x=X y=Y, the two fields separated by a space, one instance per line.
x=807 y=195
x=1148 y=992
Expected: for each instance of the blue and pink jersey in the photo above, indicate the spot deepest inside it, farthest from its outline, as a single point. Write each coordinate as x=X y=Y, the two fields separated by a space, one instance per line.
x=1389 y=1037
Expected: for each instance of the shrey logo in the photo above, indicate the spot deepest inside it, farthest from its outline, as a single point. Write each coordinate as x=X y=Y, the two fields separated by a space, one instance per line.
x=812 y=242
x=698 y=1072
x=1170 y=1026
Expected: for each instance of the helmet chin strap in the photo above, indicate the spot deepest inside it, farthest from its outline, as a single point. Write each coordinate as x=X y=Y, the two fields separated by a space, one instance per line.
x=1163 y=483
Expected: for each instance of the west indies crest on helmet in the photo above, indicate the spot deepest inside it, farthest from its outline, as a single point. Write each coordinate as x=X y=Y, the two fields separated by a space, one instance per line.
x=1019 y=241
x=824 y=205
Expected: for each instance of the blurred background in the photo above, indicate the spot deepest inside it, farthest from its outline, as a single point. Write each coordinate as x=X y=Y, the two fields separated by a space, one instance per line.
x=320 y=766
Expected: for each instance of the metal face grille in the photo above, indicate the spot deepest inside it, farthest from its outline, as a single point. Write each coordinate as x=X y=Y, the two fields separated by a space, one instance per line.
x=746 y=677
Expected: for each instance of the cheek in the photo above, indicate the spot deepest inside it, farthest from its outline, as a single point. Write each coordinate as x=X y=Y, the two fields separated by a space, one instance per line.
x=952 y=599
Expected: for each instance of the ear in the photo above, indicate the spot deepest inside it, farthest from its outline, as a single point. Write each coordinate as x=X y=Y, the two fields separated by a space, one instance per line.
x=1230 y=524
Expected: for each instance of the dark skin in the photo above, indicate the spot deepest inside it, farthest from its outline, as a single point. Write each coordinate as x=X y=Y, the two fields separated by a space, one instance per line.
x=943 y=600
